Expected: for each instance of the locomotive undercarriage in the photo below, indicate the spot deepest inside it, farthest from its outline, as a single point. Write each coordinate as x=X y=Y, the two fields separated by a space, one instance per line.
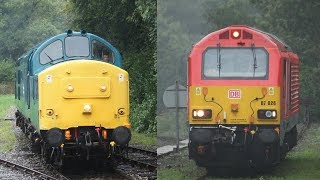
x=237 y=146
x=87 y=145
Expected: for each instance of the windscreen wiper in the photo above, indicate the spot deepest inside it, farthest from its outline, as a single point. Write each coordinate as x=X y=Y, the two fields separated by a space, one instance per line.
x=55 y=61
x=255 y=66
x=48 y=57
x=219 y=58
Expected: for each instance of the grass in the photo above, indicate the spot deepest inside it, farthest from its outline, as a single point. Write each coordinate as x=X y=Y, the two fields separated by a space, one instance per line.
x=143 y=139
x=302 y=162
x=7 y=140
x=178 y=166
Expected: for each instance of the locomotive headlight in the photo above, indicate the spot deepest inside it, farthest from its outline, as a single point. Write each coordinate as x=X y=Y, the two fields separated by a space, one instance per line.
x=103 y=88
x=69 y=88
x=201 y=113
x=235 y=34
x=267 y=114
x=87 y=108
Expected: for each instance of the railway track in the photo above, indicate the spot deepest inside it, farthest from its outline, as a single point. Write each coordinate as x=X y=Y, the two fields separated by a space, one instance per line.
x=137 y=163
x=23 y=164
x=33 y=172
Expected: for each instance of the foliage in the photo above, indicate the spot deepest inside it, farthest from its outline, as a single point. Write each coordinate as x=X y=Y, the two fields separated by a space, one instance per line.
x=23 y=24
x=221 y=14
x=116 y=21
x=6 y=71
x=310 y=88
x=130 y=26
x=142 y=72
x=177 y=28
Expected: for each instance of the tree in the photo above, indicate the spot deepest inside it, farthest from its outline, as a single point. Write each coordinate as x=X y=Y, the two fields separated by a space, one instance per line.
x=178 y=28
x=23 y=24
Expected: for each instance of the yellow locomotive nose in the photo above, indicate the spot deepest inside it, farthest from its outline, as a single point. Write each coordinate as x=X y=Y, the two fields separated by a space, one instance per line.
x=84 y=97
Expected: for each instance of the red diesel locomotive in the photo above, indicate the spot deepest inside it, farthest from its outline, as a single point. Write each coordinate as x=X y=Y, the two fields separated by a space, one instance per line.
x=243 y=98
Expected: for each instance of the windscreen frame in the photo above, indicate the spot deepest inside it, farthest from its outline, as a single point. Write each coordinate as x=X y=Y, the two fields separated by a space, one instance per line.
x=204 y=77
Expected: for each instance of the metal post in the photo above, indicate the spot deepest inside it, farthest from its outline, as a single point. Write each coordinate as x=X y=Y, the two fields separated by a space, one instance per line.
x=177 y=114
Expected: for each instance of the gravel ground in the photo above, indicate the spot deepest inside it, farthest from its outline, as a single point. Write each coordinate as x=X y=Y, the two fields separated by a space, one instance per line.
x=22 y=155
x=8 y=173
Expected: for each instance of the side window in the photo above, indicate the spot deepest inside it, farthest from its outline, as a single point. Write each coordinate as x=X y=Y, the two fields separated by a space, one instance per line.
x=52 y=52
x=102 y=52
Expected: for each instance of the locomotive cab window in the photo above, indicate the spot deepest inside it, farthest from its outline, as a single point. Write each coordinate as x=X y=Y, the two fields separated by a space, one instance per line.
x=77 y=46
x=52 y=52
x=235 y=63
x=101 y=52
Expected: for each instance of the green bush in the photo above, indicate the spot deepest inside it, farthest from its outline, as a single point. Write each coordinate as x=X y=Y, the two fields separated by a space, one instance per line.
x=6 y=71
x=310 y=88
x=143 y=93
x=142 y=115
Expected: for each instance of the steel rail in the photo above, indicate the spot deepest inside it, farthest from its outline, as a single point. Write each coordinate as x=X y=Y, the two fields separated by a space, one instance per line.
x=26 y=169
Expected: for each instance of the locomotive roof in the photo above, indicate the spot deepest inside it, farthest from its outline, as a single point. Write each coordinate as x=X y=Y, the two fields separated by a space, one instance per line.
x=35 y=51
x=273 y=37
x=213 y=36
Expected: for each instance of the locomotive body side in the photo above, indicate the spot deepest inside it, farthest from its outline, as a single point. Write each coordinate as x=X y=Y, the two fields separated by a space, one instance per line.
x=242 y=98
